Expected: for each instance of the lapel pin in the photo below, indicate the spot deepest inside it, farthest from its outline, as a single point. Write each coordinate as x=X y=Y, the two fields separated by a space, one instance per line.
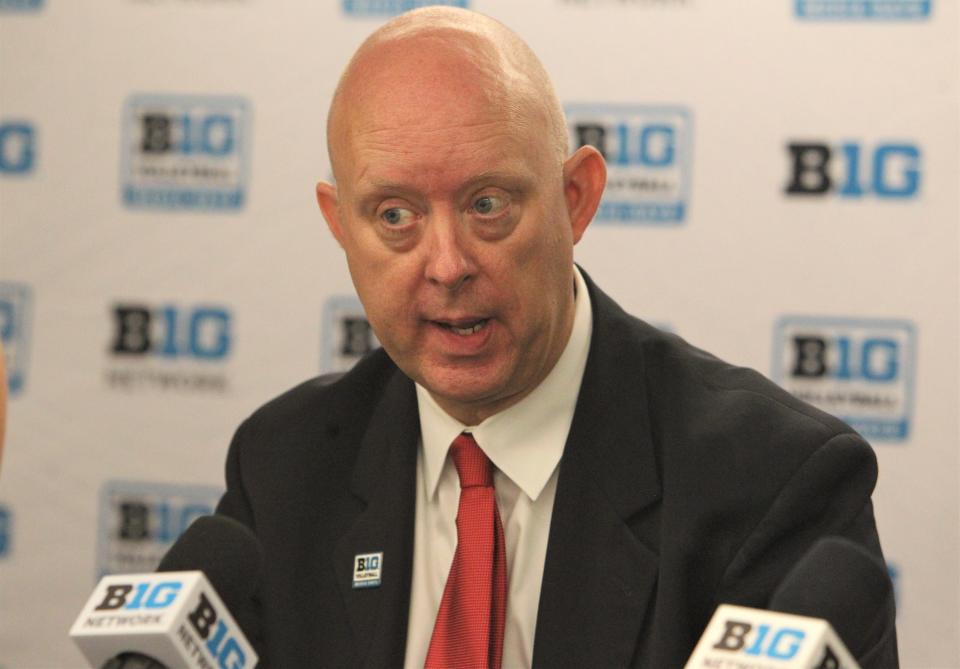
x=366 y=570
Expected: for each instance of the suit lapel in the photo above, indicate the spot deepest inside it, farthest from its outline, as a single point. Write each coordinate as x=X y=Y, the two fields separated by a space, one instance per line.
x=384 y=479
x=600 y=571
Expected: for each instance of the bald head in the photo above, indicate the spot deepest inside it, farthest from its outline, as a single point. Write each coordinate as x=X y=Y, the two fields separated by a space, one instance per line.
x=432 y=59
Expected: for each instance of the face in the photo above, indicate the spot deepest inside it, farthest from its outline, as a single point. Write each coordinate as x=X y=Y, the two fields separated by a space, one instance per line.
x=456 y=224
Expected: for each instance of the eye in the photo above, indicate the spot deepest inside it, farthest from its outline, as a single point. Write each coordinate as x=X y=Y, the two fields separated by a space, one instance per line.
x=489 y=205
x=397 y=216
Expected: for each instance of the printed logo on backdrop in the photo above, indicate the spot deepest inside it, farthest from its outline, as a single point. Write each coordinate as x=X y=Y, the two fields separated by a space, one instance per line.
x=6 y=532
x=169 y=347
x=860 y=370
x=346 y=335
x=185 y=152
x=648 y=151
x=20 y=5
x=393 y=7
x=15 y=333
x=138 y=522
x=666 y=4
x=893 y=571
x=882 y=10
x=853 y=170
x=18 y=147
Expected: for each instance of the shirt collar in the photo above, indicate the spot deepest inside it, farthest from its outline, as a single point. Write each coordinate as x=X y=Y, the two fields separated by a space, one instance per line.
x=526 y=440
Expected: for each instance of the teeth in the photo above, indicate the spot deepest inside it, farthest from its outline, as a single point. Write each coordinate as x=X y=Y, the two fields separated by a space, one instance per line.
x=473 y=329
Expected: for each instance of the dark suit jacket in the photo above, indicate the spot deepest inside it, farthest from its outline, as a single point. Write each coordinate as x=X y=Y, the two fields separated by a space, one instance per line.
x=685 y=482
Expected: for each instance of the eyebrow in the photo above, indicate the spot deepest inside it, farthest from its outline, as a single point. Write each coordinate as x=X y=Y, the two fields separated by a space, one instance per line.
x=376 y=189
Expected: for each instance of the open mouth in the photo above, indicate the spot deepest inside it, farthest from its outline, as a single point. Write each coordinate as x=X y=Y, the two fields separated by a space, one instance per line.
x=464 y=329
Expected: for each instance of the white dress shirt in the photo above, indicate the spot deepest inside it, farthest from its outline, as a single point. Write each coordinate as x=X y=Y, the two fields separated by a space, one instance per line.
x=525 y=443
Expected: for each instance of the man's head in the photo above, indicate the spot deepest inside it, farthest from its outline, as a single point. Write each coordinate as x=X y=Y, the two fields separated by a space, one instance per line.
x=457 y=206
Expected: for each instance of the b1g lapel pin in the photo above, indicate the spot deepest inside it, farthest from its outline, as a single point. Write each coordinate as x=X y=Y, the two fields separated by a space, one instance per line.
x=367 y=568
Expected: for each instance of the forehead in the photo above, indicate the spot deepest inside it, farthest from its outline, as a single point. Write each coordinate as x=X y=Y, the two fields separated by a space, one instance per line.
x=443 y=155
x=434 y=112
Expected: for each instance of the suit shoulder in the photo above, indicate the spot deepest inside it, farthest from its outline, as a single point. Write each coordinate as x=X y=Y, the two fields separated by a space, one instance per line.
x=328 y=397
x=692 y=380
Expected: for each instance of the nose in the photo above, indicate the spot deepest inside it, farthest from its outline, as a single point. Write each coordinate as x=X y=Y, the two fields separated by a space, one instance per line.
x=448 y=262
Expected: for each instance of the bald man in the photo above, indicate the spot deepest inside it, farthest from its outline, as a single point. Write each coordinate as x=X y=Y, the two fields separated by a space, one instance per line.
x=638 y=481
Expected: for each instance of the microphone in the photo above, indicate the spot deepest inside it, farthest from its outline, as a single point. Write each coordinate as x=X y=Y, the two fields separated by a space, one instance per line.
x=177 y=618
x=839 y=581
x=229 y=555
x=837 y=598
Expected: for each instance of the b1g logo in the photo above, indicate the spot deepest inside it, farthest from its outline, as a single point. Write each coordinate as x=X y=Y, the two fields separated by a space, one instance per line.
x=15 y=333
x=139 y=596
x=647 y=150
x=393 y=7
x=863 y=9
x=183 y=152
x=893 y=571
x=858 y=370
x=346 y=334
x=140 y=521
x=852 y=170
x=760 y=641
x=20 y=5
x=202 y=333
x=17 y=147
x=6 y=530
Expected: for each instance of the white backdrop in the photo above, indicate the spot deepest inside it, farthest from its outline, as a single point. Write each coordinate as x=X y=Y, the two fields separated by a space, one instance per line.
x=164 y=269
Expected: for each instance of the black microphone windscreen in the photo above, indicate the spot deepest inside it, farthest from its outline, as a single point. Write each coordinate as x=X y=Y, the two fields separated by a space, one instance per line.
x=841 y=582
x=230 y=556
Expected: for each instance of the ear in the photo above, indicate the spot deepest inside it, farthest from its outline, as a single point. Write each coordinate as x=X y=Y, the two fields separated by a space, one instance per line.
x=330 y=207
x=584 y=176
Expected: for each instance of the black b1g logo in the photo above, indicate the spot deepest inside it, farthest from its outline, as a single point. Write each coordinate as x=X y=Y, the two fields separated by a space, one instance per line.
x=860 y=370
x=185 y=152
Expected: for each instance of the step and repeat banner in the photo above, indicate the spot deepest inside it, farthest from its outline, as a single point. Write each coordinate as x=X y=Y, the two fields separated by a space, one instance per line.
x=783 y=192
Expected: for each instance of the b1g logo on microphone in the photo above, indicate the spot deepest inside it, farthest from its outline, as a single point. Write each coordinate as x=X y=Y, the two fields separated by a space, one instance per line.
x=140 y=521
x=18 y=149
x=169 y=347
x=863 y=9
x=139 y=596
x=760 y=641
x=185 y=152
x=345 y=333
x=15 y=333
x=6 y=531
x=220 y=640
x=647 y=150
x=20 y=5
x=858 y=370
x=393 y=7
x=852 y=170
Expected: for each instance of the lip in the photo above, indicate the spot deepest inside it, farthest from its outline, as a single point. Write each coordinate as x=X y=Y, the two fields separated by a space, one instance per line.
x=448 y=342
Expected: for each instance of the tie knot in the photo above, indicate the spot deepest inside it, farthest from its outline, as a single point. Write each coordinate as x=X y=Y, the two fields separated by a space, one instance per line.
x=473 y=465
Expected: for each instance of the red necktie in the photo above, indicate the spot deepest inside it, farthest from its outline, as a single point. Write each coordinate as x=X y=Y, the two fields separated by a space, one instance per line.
x=468 y=633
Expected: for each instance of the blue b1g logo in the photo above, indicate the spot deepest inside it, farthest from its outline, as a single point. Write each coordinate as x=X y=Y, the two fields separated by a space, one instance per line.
x=863 y=9
x=183 y=152
x=17 y=147
x=393 y=7
x=647 y=150
x=140 y=521
x=346 y=334
x=20 y=5
x=367 y=570
x=15 y=333
x=6 y=529
x=202 y=332
x=858 y=370
x=854 y=170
